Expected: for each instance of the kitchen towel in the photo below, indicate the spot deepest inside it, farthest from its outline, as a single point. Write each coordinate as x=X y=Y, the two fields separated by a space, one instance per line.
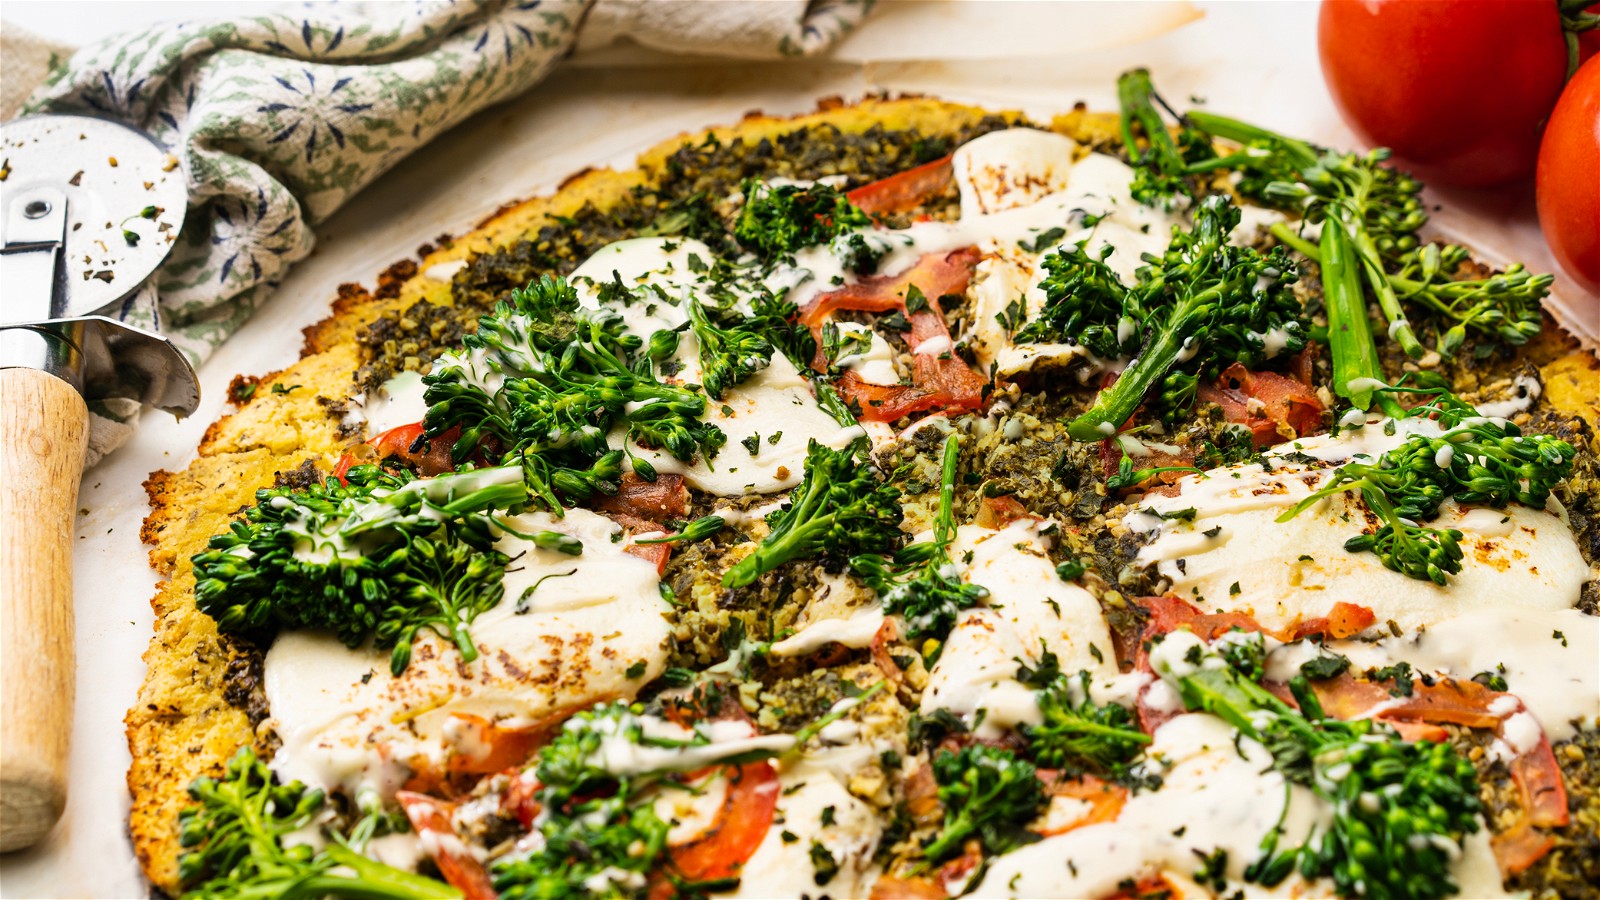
x=278 y=119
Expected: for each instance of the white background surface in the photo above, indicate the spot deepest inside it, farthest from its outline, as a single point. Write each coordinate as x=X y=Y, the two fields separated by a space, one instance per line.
x=1255 y=60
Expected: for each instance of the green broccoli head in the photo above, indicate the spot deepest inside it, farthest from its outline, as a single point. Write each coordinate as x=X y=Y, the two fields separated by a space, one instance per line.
x=777 y=221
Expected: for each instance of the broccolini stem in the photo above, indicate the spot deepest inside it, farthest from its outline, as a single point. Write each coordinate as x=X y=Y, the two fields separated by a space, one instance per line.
x=373 y=881
x=770 y=553
x=463 y=640
x=1136 y=94
x=1400 y=329
x=1117 y=403
x=944 y=527
x=1355 y=357
x=1244 y=133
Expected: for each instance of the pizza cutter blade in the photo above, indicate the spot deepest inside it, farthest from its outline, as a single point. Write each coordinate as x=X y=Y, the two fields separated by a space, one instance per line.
x=88 y=210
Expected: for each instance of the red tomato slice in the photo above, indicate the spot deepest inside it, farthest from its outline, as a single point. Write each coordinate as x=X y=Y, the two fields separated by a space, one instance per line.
x=664 y=498
x=1282 y=401
x=1111 y=461
x=884 y=402
x=432 y=458
x=915 y=887
x=940 y=380
x=1104 y=798
x=652 y=553
x=1342 y=621
x=907 y=190
x=741 y=825
x=935 y=275
x=885 y=635
x=520 y=800
x=995 y=513
x=430 y=819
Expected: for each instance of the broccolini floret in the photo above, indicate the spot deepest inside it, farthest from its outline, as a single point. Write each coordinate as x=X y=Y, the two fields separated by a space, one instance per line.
x=840 y=508
x=1077 y=736
x=920 y=582
x=1400 y=809
x=778 y=220
x=988 y=793
x=729 y=352
x=544 y=381
x=233 y=844
x=596 y=838
x=1475 y=460
x=1200 y=307
x=384 y=555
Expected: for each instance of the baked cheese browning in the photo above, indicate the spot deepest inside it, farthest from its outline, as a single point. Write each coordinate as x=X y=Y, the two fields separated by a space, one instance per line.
x=821 y=725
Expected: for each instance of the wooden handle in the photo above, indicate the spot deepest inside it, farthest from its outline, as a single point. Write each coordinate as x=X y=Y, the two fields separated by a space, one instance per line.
x=43 y=436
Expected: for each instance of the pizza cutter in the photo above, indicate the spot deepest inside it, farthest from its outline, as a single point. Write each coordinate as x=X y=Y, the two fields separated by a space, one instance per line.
x=88 y=210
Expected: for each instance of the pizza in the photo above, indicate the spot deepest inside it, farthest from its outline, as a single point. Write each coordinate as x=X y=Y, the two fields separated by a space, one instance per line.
x=900 y=500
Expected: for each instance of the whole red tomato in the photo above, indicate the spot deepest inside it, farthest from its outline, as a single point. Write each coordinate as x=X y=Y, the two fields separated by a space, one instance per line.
x=1569 y=178
x=1457 y=88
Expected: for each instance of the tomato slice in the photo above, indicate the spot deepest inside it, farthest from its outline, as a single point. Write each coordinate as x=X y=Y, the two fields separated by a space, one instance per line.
x=1279 y=401
x=881 y=639
x=935 y=275
x=430 y=819
x=664 y=498
x=1343 y=620
x=1104 y=798
x=741 y=825
x=521 y=798
x=1111 y=460
x=906 y=190
x=651 y=553
x=431 y=458
x=884 y=402
x=939 y=379
x=995 y=513
x=1541 y=791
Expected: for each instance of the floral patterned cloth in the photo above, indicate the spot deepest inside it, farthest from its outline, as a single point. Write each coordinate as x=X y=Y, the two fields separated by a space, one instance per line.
x=279 y=119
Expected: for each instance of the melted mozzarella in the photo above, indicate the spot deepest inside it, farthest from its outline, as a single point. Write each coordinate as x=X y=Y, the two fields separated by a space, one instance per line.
x=1006 y=169
x=1017 y=185
x=783 y=868
x=854 y=631
x=664 y=265
x=345 y=722
x=672 y=747
x=1029 y=611
x=1516 y=558
x=396 y=402
x=976 y=676
x=1032 y=599
x=874 y=365
x=776 y=408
